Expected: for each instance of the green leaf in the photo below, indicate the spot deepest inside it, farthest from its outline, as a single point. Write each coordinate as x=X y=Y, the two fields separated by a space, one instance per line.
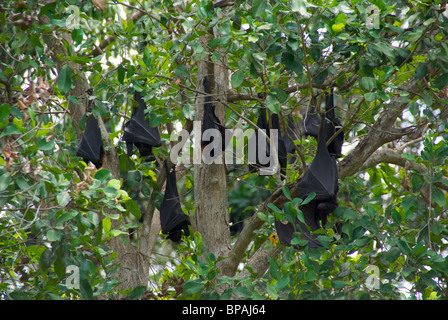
x=106 y=225
x=221 y=41
x=237 y=78
x=414 y=108
x=5 y=109
x=339 y=284
x=287 y=193
x=367 y=83
x=20 y=39
x=98 y=234
x=300 y=7
x=337 y=27
x=110 y=192
x=392 y=255
x=53 y=235
x=274 y=208
x=10 y=129
x=438 y=197
x=300 y=216
x=86 y=289
x=77 y=35
x=192 y=287
x=258 y=7
x=136 y=293
x=45 y=260
x=308 y=199
x=5 y=179
x=421 y=70
x=441 y=81
x=272 y=103
x=396 y=216
x=103 y=175
x=63 y=198
x=45 y=145
x=280 y=94
x=121 y=72
x=134 y=178
x=290 y=212
x=181 y=71
x=404 y=246
x=243 y=292
x=134 y=208
x=65 y=79
x=188 y=111
x=292 y=63
x=282 y=282
x=370 y=96
x=272 y=292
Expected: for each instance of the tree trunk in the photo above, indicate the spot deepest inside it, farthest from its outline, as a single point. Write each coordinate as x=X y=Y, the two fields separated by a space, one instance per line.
x=210 y=184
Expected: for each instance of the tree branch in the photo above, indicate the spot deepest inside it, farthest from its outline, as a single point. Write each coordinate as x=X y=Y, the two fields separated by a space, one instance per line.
x=99 y=49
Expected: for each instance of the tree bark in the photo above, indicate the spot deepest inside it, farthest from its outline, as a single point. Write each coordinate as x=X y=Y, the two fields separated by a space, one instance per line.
x=210 y=183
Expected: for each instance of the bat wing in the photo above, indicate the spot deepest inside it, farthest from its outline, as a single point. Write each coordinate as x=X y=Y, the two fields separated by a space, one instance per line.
x=258 y=140
x=90 y=148
x=322 y=174
x=211 y=121
x=137 y=131
x=173 y=221
x=335 y=147
x=282 y=154
x=285 y=232
x=313 y=223
x=311 y=123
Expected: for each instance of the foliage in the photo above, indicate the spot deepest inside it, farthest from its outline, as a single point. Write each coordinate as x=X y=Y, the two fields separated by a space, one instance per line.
x=58 y=212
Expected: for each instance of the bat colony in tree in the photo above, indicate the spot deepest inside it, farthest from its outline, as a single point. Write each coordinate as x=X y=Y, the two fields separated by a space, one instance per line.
x=321 y=177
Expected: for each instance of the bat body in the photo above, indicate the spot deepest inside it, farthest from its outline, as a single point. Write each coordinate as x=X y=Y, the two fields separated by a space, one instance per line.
x=320 y=178
x=263 y=148
x=261 y=144
x=173 y=221
x=312 y=122
x=139 y=133
x=281 y=148
x=335 y=146
x=211 y=121
x=90 y=148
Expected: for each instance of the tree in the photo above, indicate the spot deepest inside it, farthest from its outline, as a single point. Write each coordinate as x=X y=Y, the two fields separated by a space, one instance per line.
x=70 y=230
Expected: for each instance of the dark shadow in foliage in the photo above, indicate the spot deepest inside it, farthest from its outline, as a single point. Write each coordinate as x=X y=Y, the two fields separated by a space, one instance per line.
x=243 y=195
x=173 y=221
x=138 y=132
x=321 y=178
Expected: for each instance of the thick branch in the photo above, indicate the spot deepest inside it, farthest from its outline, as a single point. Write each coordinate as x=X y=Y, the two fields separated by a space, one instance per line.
x=392 y=156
